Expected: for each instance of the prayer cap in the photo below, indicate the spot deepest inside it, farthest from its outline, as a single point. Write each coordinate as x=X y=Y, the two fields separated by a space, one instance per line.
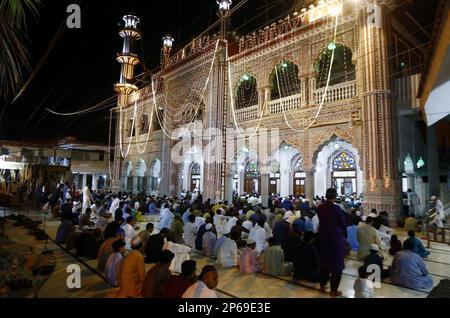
x=374 y=247
x=251 y=241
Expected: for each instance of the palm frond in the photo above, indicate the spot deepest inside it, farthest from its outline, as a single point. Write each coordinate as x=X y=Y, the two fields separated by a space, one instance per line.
x=17 y=11
x=14 y=57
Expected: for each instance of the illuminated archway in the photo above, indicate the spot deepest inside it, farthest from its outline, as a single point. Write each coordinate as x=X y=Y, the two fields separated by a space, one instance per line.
x=246 y=92
x=343 y=68
x=284 y=80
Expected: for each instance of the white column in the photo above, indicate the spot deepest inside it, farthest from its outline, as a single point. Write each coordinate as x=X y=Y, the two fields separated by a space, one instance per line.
x=411 y=183
x=229 y=188
x=84 y=181
x=267 y=100
x=149 y=184
x=285 y=167
x=94 y=182
x=135 y=182
x=264 y=188
x=309 y=186
x=241 y=175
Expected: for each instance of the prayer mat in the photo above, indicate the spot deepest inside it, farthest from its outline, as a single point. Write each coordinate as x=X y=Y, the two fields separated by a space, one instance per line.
x=442 y=290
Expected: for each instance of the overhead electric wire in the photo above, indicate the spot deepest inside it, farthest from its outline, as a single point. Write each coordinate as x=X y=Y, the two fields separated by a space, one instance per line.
x=43 y=59
x=106 y=103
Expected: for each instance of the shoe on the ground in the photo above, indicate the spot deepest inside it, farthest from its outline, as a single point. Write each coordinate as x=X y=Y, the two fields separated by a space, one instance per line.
x=335 y=294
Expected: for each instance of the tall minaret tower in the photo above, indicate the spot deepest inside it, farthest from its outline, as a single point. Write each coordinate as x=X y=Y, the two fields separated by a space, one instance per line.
x=126 y=85
x=166 y=49
x=127 y=58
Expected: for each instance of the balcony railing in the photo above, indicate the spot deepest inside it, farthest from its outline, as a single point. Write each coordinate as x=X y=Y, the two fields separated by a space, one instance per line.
x=247 y=113
x=285 y=104
x=336 y=92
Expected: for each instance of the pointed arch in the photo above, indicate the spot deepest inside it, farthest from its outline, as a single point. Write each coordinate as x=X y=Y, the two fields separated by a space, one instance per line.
x=343 y=68
x=284 y=80
x=246 y=91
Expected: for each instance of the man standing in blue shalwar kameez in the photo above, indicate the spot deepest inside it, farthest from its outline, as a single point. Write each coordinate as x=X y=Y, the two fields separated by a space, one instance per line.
x=332 y=232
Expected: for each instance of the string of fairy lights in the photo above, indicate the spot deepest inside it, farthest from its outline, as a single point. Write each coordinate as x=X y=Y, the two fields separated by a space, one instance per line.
x=174 y=106
x=183 y=103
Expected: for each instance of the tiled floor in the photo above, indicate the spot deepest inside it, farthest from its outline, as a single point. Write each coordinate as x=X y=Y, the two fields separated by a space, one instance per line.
x=232 y=282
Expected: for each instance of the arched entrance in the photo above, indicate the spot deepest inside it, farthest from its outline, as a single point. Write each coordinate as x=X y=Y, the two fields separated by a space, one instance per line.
x=127 y=178
x=344 y=178
x=252 y=178
x=337 y=164
x=275 y=177
x=155 y=175
x=299 y=177
x=195 y=178
x=141 y=169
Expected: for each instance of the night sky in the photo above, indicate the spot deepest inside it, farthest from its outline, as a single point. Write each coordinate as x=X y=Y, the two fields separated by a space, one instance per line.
x=81 y=69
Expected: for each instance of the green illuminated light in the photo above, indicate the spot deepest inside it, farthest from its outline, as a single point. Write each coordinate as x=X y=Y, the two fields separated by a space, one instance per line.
x=420 y=163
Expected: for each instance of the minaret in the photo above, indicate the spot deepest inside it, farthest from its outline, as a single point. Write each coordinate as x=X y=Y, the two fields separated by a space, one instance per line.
x=126 y=86
x=166 y=49
x=127 y=58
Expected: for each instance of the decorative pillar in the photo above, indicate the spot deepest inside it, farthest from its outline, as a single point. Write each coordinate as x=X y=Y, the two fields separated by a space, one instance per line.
x=84 y=181
x=173 y=179
x=94 y=182
x=135 y=184
x=309 y=186
x=229 y=188
x=304 y=92
x=267 y=100
x=149 y=185
x=382 y=185
x=285 y=167
x=264 y=186
x=434 y=186
x=311 y=88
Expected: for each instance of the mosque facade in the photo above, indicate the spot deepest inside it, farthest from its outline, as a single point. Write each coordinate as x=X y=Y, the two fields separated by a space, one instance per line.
x=319 y=80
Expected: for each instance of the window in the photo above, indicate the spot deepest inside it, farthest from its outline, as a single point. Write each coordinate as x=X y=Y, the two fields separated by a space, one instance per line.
x=344 y=162
x=131 y=129
x=144 y=124
x=247 y=92
x=343 y=68
x=284 y=80
x=78 y=155
x=195 y=170
x=252 y=170
x=298 y=167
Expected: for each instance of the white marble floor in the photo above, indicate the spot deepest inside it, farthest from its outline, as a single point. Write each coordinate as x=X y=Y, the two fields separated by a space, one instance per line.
x=234 y=284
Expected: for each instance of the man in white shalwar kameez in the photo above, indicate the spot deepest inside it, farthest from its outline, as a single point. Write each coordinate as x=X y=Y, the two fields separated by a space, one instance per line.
x=414 y=203
x=190 y=231
x=440 y=212
x=114 y=206
x=228 y=253
x=87 y=199
x=220 y=222
x=182 y=253
x=258 y=234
